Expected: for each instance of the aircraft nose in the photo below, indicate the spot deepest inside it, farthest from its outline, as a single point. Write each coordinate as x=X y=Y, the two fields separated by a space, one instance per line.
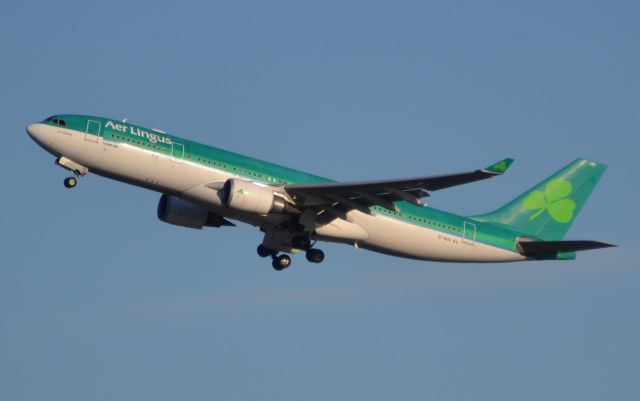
x=32 y=130
x=37 y=132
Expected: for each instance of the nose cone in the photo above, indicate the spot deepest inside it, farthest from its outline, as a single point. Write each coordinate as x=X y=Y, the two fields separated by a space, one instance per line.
x=37 y=132
x=45 y=136
x=31 y=129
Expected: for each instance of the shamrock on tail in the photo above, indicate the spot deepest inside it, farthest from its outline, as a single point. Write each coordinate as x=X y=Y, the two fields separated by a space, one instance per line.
x=553 y=201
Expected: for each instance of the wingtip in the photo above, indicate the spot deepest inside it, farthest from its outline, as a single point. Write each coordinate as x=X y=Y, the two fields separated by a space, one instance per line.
x=500 y=167
x=591 y=163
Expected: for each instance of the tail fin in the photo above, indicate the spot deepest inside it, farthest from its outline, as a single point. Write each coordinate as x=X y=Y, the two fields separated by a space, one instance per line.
x=547 y=210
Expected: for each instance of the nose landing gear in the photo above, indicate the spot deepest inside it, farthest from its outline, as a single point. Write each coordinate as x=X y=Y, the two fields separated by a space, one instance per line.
x=77 y=169
x=70 y=182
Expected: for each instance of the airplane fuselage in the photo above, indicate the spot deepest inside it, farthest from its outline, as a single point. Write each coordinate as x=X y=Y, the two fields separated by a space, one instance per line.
x=194 y=172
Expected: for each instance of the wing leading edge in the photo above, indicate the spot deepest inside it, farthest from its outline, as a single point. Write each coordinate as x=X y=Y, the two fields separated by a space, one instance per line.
x=364 y=194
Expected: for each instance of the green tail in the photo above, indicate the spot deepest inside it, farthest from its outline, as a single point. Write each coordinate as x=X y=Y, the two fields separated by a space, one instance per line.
x=547 y=210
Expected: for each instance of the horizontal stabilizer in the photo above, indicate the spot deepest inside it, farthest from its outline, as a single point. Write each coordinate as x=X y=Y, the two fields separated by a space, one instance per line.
x=545 y=248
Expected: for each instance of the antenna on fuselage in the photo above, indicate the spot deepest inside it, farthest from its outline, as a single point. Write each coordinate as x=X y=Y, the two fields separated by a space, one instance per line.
x=124 y=120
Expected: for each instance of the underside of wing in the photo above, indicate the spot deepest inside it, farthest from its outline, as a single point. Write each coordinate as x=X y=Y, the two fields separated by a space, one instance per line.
x=344 y=196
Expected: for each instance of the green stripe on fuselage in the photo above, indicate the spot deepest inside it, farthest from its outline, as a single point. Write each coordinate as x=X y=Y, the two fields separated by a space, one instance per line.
x=273 y=174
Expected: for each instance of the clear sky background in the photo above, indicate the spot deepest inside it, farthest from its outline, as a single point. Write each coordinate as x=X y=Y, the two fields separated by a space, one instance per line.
x=99 y=300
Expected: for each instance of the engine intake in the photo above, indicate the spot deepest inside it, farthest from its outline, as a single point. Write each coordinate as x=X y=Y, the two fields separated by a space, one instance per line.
x=180 y=212
x=250 y=197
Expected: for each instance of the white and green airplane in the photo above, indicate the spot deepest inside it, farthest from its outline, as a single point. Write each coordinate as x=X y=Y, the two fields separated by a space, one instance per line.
x=204 y=186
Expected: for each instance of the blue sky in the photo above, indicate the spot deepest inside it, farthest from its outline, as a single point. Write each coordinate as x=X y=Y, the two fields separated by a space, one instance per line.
x=101 y=301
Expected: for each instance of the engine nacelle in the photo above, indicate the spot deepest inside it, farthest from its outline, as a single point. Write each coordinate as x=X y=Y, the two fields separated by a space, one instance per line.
x=250 y=197
x=180 y=212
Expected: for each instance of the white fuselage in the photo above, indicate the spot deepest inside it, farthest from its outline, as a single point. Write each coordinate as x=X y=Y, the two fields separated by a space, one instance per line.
x=191 y=181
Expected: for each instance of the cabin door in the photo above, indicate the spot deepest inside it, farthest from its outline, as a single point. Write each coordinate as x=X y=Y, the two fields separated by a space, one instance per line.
x=177 y=153
x=93 y=131
x=469 y=233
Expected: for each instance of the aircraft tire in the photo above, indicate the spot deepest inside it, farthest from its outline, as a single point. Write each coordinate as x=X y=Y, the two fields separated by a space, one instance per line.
x=315 y=255
x=263 y=251
x=70 y=182
x=281 y=262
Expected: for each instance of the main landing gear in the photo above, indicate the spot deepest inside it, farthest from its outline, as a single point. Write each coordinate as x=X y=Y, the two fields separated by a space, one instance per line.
x=315 y=256
x=283 y=261
x=279 y=262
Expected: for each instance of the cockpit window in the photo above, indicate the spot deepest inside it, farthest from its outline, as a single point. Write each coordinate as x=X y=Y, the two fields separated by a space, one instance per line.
x=57 y=121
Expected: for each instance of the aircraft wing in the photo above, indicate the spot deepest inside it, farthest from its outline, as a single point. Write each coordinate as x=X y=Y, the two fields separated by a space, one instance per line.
x=364 y=194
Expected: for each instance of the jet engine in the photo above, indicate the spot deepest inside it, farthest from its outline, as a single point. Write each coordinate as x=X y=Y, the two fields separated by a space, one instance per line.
x=180 y=212
x=247 y=196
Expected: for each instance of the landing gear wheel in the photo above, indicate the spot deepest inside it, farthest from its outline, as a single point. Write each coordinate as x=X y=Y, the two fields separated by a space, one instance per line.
x=70 y=182
x=315 y=255
x=300 y=242
x=275 y=265
x=263 y=251
x=281 y=262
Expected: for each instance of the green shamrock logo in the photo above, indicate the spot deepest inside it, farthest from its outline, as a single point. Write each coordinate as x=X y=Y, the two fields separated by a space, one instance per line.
x=553 y=200
x=501 y=167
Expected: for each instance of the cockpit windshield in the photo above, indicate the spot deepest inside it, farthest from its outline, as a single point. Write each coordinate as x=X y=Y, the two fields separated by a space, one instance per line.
x=57 y=121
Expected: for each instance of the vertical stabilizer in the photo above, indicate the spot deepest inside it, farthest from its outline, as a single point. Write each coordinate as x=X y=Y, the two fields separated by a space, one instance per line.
x=547 y=210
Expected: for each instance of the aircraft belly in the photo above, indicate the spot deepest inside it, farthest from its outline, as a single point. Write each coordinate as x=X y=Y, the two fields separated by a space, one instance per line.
x=398 y=238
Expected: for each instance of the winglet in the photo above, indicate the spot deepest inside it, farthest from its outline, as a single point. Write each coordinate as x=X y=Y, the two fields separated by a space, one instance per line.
x=500 y=167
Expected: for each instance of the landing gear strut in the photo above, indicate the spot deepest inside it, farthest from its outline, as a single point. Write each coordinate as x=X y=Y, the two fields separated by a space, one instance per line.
x=300 y=242
x=78 y=170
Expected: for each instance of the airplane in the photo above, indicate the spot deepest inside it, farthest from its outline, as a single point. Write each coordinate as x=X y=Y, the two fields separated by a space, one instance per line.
x=204 y=186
